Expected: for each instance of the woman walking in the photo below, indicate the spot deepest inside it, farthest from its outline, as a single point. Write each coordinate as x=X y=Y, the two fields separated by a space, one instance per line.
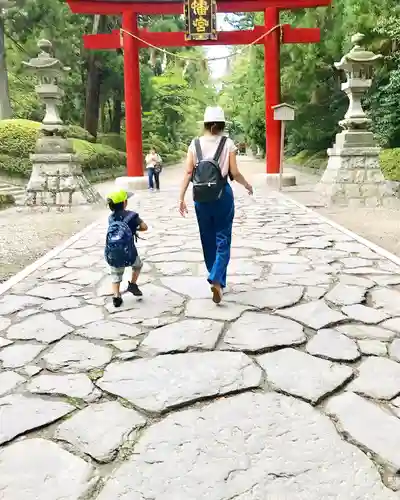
x=210 y=160
x=153 y=165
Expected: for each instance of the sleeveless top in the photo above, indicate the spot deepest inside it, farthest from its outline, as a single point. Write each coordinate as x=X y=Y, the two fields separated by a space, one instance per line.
x=209 y=145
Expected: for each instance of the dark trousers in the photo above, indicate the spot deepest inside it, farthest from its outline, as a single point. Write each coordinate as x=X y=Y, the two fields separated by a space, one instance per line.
x=215 y=221
x=153 y=176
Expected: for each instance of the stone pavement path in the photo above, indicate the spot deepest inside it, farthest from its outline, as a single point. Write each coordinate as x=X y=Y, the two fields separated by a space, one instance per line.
x=289 y=390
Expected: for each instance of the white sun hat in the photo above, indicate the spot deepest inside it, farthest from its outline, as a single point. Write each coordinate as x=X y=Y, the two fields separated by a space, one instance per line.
x=214 y=114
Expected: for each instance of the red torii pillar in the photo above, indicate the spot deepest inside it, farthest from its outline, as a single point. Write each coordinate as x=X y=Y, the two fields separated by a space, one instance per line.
x=272 y=85
x=129 y=10
x=133 y=106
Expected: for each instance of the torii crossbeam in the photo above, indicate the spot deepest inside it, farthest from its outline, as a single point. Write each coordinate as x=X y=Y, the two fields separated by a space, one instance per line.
x=129 y=9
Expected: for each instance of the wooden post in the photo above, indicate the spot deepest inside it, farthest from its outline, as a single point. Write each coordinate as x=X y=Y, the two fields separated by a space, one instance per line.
x=272 y=89
x=282 y=152
x=133 y=108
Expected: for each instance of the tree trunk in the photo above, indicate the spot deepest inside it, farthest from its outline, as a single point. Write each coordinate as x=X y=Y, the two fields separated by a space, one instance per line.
x=5 y=106
x=103 y=120
x=117 y=116
x=92 y=110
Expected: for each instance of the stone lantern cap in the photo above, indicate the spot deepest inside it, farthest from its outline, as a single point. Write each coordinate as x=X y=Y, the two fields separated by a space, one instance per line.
x=45 y=62
x=357 y=56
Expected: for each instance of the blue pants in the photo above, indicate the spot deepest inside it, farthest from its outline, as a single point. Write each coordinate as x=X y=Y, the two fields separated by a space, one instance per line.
x=153 y=174
x=215 y=221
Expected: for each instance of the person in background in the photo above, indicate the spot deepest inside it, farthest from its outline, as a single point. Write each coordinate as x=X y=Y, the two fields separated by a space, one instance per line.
x=120 y=250
x=153 y=166
x=211 y=159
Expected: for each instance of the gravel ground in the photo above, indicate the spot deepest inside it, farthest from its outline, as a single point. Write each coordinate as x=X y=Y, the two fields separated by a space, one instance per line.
x=25 y=236
x=379 y=225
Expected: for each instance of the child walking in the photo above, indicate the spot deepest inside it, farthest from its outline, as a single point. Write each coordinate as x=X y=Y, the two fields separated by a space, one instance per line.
x=120 y=250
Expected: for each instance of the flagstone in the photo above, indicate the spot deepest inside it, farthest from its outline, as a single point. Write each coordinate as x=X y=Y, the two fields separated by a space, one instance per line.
x=195 y=376
x=258 y=331
x=38 y=468
x=313 y=314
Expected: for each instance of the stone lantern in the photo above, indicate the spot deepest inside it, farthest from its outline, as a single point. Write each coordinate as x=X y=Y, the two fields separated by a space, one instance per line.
x=56 y=178
x=353 y=175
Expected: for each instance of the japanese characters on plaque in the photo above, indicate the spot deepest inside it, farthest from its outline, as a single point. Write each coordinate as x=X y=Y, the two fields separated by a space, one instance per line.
x=201 y=20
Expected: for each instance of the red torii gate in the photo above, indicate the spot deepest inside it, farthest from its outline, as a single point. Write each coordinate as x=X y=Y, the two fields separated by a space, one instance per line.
x=129 y=9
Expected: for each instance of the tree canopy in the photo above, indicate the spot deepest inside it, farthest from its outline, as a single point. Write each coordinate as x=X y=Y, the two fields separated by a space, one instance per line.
x=173 y=90
x=309 y=80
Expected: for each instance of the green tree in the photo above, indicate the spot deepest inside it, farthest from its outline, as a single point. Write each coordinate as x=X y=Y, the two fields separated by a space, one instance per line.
x=174 y=84
x=310 y=81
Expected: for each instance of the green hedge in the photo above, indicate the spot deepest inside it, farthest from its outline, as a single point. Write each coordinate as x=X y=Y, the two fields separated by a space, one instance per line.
x=389 y=161
x=113 y=141
x=98 y=156
x=100 y=161
x=76 y=132
x=309 y=159
x=18 y=139
x=15 y=167
x=6 y=200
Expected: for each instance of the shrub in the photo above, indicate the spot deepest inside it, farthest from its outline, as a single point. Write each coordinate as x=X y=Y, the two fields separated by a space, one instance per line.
x=309 y=159
x=105 y=175
x=300 y=158
x=6 y=200
x=18 y=138
x=317 y=161
x=17 y=134
x=390 y=163
x=15 y=167
x=153 y=141
x=176 y=157
x=77 y=132
x=113 y=140
x=98 y=156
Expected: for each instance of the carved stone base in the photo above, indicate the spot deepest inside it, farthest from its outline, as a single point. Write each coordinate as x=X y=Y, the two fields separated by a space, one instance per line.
x=272 y=180
x=132 y=183
x=57 y=180
x=353 y=177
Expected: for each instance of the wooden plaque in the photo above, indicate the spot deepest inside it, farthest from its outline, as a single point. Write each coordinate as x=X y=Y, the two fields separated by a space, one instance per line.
x=201 y=20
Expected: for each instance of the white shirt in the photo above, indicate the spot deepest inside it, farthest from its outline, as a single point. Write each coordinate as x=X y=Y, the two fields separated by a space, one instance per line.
x=152 y=160
x=209 y=145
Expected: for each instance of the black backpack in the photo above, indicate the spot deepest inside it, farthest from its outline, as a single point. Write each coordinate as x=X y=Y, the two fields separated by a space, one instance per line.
x=207 y=179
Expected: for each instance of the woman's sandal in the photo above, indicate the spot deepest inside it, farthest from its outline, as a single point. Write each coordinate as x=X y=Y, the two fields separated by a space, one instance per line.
x=217 y=294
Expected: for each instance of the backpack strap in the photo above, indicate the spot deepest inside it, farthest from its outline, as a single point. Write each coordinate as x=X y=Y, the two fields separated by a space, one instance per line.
x=220 y=147
x=199 y=152
x=129 y=217
x=127 y=220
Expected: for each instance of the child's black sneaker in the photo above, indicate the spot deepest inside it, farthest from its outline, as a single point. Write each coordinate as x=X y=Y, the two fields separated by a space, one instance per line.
x=117 y=301
x=134 y=289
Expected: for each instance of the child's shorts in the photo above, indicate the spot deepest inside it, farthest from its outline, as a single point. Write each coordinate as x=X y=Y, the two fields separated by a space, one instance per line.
x=117 y=273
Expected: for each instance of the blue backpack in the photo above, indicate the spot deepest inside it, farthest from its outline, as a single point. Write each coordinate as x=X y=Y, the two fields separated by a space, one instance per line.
x=120 y=250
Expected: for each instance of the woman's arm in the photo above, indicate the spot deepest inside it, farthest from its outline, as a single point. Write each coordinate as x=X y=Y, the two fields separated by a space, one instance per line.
x=142 y=226
x=236 y=174
x=187 y=176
